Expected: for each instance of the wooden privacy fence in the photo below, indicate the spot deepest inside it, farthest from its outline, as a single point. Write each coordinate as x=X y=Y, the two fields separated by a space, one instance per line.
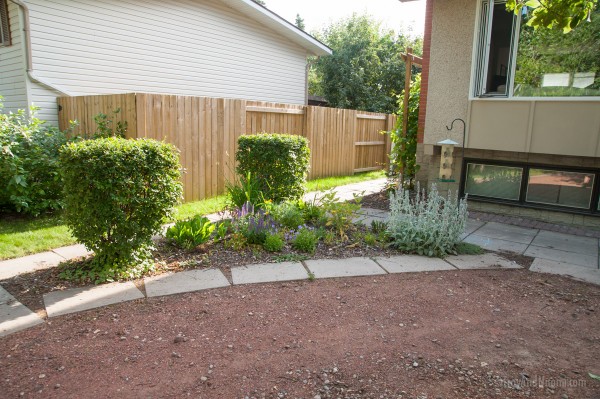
x=206 y=131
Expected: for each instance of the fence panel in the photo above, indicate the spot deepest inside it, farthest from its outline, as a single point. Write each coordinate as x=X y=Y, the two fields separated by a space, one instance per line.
x=206 y=130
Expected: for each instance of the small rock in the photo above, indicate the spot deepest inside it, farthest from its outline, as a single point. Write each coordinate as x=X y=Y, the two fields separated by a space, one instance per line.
x=123 y=338
x=415 y=364
x=175 y=354
x=42 y=376
x=178 y=339
x=56 y=386
x=203 y=379
x=498 y=346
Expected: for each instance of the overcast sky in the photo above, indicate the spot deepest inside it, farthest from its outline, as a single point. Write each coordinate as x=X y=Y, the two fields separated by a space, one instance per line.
x=406 y=17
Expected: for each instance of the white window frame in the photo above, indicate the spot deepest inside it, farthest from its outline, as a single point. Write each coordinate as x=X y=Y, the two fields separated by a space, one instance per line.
x=481 y=54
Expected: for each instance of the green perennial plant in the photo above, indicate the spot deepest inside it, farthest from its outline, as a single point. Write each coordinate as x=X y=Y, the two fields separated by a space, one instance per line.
x=429 y=224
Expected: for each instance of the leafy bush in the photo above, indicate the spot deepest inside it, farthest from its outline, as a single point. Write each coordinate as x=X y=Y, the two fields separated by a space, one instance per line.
x=104 y=126
x=428 y=224
x=280 y=163
x=117 y=192
x=273 y=242
x=29 y=168
x=314 y=210
x=305 y=240
x=288 y=214
x=403 y=157
x=191 y=232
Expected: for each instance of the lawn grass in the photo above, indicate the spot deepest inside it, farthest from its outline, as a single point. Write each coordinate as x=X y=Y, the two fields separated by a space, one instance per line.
x=330 y=182
x=24 y=236
x=20 y=236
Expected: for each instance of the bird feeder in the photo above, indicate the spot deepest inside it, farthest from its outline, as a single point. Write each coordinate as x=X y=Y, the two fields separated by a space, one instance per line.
x=446 y=160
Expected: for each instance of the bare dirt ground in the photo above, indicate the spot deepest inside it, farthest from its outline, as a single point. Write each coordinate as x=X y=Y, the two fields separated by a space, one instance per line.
x=463 y=334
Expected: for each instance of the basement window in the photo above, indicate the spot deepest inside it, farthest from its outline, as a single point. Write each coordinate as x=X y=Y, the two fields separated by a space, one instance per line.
x=4 y=24
x=535 y=186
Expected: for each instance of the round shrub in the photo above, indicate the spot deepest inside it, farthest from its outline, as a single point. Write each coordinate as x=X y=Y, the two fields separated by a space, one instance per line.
x=279 y=162
x=117 y=192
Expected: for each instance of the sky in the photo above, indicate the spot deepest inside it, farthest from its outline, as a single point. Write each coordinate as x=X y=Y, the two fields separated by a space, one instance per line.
x=406 y=17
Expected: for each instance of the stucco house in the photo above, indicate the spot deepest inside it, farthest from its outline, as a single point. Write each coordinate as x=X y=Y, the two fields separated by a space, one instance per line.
x=532 y=143
x=213 y=48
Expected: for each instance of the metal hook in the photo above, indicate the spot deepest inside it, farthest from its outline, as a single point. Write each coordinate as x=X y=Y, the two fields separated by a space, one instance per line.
x=464 y=133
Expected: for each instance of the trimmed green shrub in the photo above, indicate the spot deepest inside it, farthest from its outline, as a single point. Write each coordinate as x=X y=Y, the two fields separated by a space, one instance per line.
x=117 y=193
x=191 y=232
x=29 y=169
x=429 y=224
x=280 y=162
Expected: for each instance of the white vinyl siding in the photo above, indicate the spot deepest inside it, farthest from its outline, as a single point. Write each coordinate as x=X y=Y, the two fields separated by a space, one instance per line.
x=185 y=47
x=12 y=66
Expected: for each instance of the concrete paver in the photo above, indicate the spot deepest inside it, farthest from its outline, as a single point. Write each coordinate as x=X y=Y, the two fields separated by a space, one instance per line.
x=473 y=225
x=78 y=299
x=507 y=232
x=485 y=261
x=72 y=251
x=495 y=244
x=187 y=281
x=14 y=316
x=268 y=272
x=566 y=242
x=43 y=260
x=566 y=269
x=413 y=263
x=326 y=268
x=575 y=258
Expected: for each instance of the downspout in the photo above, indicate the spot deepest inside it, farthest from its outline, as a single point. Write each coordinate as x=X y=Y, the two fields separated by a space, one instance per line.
x=28 y=57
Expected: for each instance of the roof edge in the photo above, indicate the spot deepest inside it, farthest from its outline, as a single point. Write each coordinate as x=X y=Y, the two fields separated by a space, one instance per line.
x=281 y=25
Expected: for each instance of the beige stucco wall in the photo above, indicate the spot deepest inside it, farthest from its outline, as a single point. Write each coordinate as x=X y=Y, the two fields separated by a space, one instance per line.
x=452 y=32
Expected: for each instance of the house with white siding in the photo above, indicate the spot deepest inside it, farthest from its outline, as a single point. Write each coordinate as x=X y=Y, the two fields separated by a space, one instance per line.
x=213 y=48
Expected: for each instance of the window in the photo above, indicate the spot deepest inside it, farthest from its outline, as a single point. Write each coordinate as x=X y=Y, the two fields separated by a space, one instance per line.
x=532 y=185
x=513 y=59
x=493 y=181
x=496 y=40
x=557 y=187
x=4 y=24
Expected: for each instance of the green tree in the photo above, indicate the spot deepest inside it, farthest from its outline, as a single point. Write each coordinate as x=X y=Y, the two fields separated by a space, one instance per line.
x=300 y=22
x=562 y=15
x=365 y=71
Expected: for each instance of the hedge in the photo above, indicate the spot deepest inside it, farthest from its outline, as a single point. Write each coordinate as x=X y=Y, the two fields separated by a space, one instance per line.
x=279 y=162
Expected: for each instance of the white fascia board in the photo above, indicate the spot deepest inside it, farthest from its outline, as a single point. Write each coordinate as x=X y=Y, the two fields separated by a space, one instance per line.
x=280 y=25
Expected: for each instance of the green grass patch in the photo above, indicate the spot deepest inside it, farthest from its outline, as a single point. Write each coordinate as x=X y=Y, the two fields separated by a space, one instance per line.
x=20 y=236
x=330 y=182
x=202 y=207
x=464 y=248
